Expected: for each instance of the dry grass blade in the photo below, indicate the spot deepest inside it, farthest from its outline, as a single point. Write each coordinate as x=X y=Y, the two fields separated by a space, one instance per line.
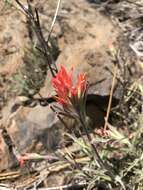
x=54 y=19
x=110 y=98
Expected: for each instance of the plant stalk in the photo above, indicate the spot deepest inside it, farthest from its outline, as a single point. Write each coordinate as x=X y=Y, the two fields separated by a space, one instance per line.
x=96 y=154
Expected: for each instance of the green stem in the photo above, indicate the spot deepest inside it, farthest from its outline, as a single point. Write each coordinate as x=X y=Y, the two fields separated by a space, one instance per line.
x=96 y=154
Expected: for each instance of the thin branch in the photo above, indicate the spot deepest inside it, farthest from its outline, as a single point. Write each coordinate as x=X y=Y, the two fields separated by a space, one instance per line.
x=23 y=8
x=54 y=20
x=35 y=23
x=110 y=98
x=133 y=2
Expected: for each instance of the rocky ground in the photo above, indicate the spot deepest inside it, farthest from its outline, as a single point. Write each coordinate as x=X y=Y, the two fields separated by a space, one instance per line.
x=83 y=34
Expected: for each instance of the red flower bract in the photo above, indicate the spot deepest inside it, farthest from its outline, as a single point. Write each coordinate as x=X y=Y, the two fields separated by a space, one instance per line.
x=64 y=87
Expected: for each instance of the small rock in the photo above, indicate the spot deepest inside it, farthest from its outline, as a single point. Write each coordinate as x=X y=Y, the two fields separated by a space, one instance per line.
x=32 y=126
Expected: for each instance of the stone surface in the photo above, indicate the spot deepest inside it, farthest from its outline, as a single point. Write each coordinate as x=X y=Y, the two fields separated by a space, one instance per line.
x=33 y=125
x=5 y=156
x=13 y=39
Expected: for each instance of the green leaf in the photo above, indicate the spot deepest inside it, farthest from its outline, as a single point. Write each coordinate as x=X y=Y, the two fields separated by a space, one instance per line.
x=116 y=135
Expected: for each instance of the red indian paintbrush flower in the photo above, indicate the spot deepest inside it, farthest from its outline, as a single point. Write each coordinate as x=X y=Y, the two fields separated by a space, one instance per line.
x=64 y=87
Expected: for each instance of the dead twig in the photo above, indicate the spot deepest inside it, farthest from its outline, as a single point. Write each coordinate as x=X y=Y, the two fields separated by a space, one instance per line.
x=135 y=3
x=54 y=19
x=110 y=98
x=4 y=187
x=52 y=168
